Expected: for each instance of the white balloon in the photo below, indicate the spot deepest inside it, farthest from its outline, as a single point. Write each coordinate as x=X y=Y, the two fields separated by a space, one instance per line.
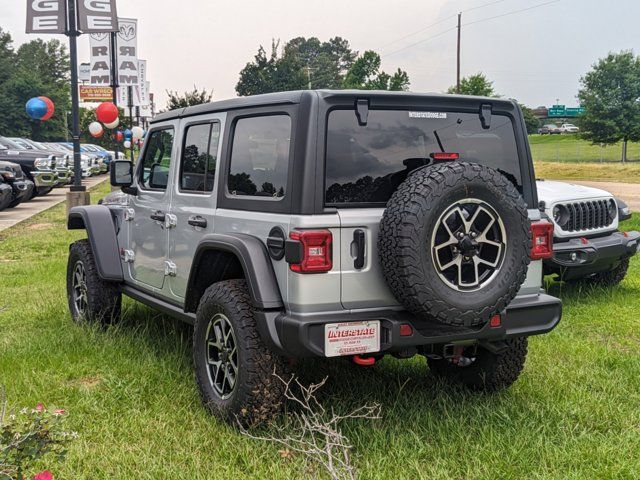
x=137 y=133
x=113 y=124
x=127 y=144
x=95 y=129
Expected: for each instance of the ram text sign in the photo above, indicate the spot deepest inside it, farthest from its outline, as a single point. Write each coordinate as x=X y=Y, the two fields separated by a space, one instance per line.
x=128 y=51
x=100 y=62
x=97 y=16
x=46 y=16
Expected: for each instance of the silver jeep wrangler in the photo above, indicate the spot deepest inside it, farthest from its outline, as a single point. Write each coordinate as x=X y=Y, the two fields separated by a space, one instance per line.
x=328 y=224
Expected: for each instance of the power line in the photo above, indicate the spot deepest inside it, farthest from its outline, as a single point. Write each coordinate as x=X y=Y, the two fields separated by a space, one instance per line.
x=417 y=31
x=418 y=42
x=511 y=13
x=437 y=23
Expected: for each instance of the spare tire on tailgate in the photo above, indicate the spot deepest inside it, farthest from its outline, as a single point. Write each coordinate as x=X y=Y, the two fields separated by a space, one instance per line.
x=454 y=243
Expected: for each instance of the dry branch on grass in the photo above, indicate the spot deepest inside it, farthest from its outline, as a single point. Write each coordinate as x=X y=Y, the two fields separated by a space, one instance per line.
x=313 y=432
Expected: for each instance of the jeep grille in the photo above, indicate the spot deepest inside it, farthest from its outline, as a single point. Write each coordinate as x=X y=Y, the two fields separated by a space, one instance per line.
x=588 y=215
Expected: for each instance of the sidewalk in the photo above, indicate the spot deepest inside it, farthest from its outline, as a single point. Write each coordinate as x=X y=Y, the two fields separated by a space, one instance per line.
x=10 y=216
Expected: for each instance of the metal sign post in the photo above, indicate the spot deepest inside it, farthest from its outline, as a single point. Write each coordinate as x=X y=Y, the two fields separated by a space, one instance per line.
x=114 y=83
x=73 y=18
x=73 y=33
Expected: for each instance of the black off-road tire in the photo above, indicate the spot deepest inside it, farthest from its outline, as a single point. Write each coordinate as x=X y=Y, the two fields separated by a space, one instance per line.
x=404 y=240
x=611 y=277
x=258 y=395
x=104 y=299
x=489 y=372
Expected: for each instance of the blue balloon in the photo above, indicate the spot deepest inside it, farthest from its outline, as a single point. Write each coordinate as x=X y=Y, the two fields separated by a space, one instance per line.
x=127 y=134
x=36 y=108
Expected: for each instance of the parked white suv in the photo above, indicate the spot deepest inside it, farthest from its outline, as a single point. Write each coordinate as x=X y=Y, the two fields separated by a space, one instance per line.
x=587 y=242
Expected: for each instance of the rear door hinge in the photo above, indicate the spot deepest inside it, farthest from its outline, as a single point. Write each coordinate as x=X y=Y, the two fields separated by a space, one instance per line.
x=129 y=214
x=170 y=220
x=127 y=255
x=170 y=269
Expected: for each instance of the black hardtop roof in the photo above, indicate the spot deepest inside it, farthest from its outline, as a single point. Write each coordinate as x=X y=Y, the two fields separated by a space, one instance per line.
x=294 y=97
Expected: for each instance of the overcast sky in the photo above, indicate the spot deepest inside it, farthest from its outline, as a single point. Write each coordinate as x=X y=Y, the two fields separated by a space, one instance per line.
x=535 y=56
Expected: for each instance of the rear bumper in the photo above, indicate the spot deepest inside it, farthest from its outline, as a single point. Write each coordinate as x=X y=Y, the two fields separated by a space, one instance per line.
x=303 y=335
x=580 y=257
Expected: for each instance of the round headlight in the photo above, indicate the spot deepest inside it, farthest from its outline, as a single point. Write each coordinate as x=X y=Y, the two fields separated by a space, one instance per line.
x=613 y=209
x=561 y=215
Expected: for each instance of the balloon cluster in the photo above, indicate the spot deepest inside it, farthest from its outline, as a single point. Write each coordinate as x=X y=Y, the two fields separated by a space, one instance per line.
x=107 y=114
x=40 y=108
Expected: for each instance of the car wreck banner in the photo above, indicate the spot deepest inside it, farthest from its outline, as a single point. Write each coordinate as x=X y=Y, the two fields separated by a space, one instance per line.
x=95 y=94
x=46 y=16
x=100 y=66
x=97 y=16
x=127 y=51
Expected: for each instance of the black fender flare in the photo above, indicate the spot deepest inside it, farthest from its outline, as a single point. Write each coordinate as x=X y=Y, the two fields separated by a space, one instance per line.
x=98 y=222
x=256 y=265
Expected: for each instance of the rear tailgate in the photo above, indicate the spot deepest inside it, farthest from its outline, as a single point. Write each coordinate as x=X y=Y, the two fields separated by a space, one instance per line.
x=362 y=287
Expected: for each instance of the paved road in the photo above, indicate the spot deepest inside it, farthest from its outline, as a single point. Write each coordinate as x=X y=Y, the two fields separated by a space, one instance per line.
x=629 y=192
x=10 y=216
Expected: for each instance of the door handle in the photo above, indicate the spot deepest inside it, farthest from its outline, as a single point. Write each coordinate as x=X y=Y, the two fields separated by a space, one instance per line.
x=158 y=216
x=358 y=239
x=197 y=221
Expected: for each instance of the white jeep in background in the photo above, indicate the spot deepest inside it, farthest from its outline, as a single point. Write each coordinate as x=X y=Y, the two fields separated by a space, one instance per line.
x=587 y=243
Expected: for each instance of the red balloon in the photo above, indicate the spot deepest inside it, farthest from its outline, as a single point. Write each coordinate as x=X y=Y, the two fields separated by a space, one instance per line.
x=107 y=112
x=50 y=108
x=119 y=136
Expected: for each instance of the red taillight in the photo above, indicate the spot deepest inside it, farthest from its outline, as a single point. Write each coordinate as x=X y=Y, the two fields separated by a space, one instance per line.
x=315 y=255
x=445 y=156
x=496 y=321
x=542 y=236
x=406 y=330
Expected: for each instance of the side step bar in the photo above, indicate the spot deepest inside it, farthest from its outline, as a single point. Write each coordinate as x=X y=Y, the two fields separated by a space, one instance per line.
x=167 y=308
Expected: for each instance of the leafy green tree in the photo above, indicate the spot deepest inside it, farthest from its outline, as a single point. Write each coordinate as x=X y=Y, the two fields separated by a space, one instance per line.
x=187 y=99
x=365 y=74
x=610 y=95
x=310 y=63
x=477 y=84
x=36 y=68
x=531 y=121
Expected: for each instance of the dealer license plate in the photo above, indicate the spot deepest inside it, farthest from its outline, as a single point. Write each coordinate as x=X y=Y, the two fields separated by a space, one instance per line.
x=351 y=338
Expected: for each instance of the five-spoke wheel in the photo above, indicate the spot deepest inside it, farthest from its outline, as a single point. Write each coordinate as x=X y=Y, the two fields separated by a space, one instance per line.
x=468 y=244
x=222 y=355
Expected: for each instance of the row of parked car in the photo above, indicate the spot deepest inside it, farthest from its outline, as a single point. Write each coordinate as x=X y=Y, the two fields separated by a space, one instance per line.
x=29 y=168
x=553 y=129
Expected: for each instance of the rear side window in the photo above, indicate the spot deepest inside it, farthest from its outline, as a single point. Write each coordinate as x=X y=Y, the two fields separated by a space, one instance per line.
x=154 y=172
x=260 y=156
x=199 y=155
x=366 y=164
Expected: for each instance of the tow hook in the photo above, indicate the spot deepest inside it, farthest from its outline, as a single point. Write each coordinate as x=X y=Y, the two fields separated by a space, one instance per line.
x=363 y=361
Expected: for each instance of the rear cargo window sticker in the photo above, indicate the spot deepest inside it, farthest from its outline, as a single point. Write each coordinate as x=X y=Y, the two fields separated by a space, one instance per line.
x=427 y=115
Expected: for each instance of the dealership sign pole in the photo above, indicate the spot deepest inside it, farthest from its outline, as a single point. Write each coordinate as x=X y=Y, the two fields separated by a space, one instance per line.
x=73 y=17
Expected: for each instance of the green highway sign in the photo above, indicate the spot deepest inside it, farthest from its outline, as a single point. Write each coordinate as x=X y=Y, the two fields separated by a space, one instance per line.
x=563 y=111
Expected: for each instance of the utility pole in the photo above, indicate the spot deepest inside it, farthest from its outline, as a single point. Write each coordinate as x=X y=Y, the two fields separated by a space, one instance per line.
x=458 y=59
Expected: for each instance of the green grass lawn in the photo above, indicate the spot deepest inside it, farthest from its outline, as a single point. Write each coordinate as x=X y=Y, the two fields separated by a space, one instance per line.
x=567 y=157
x=572 y=149
x=130 y=394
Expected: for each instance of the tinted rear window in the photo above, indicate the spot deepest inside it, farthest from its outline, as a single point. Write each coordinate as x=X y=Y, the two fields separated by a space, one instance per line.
x=366 y=164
